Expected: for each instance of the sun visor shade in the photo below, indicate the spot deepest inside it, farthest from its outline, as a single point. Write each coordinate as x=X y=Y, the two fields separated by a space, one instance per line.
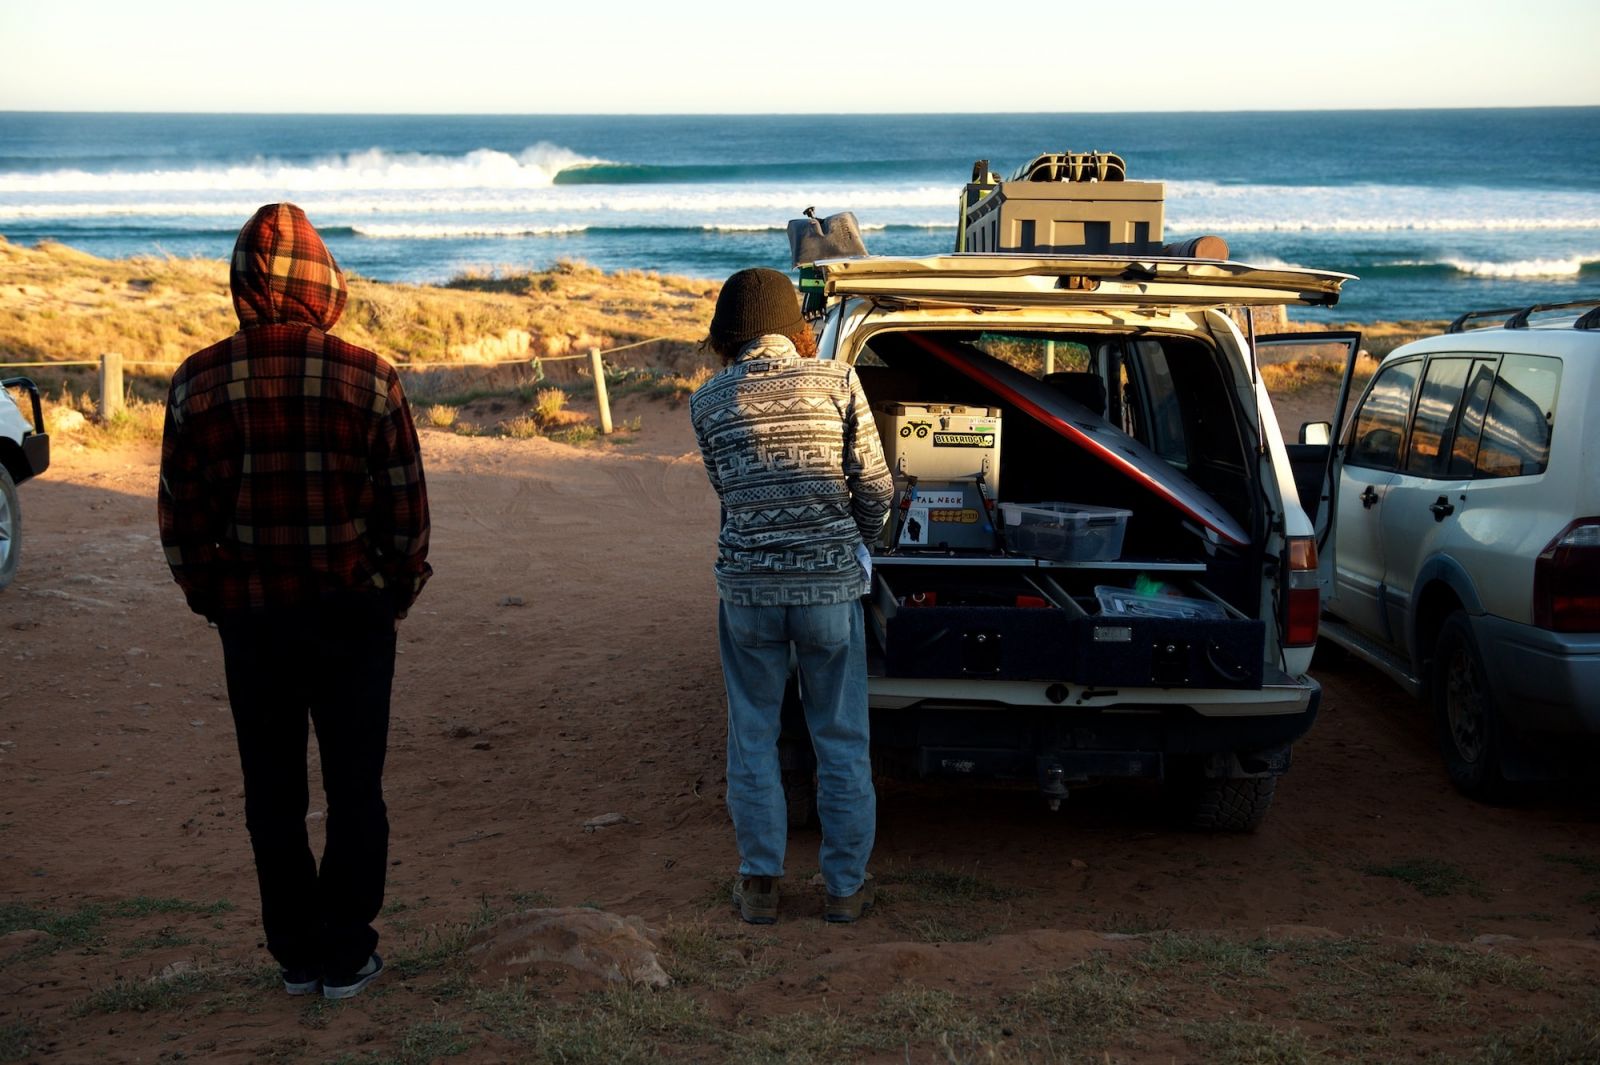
x=1086 y=429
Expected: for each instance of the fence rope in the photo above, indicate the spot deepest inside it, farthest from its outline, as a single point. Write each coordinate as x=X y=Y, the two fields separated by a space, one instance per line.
x=531 y=360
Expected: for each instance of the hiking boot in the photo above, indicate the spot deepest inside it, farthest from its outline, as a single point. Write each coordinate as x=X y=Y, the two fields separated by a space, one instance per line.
x=302 y=981
x=346 y=985
x=851 y=907
x=757 y=899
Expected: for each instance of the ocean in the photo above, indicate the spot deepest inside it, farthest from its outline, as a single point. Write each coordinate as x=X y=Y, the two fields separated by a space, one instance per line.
x=1437 y=211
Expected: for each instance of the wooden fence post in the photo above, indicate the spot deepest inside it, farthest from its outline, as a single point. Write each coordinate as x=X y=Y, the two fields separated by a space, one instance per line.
x=110 y=385
x=600 y=396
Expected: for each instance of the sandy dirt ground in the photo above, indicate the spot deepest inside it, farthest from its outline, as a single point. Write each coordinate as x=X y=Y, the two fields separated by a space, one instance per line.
x=561 y=666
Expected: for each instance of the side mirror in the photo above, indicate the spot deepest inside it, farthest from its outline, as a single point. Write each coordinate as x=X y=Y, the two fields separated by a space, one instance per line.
x=1316 y=432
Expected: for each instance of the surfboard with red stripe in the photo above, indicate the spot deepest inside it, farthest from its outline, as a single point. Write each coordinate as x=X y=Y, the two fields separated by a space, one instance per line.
x=1090 y=431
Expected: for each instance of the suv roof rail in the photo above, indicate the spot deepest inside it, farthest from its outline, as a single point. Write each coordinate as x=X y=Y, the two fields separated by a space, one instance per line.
x=1517 y=317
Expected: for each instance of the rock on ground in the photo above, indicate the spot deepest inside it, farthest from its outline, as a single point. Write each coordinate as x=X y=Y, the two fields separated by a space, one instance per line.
x=616 y=949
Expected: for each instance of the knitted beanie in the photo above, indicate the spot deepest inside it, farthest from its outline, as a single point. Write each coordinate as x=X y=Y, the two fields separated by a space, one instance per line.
x=754 y=303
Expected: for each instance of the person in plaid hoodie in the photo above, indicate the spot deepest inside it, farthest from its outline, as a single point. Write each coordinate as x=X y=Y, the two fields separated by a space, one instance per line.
x=294 y=515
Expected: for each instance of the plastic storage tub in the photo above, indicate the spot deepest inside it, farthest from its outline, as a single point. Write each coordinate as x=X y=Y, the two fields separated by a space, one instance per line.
x=1066 y=532
x=1123 y=602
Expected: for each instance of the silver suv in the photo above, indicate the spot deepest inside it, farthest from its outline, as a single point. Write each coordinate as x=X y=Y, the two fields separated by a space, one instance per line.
x=24 y=453
x=1468 y=564
x=1109 y=443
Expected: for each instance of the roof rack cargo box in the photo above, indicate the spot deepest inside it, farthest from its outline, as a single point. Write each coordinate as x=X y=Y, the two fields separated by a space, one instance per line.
x=1062 y=203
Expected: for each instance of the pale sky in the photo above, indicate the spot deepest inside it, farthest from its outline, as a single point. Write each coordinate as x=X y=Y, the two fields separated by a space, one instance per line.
x=711 y=56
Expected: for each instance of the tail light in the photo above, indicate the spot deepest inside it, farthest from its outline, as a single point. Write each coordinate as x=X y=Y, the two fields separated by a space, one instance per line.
x=1566 y=580
x=1303 y=597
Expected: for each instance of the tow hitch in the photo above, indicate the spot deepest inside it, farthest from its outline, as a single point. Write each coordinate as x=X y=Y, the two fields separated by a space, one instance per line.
x=1053 y=784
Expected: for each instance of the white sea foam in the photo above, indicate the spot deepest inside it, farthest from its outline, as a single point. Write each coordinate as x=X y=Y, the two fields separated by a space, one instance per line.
x=423 y=190
x=768 y=227
x=442 y=231
x=532 y=168
x=693 y=205
x=1376 y=224
x=1525 y=268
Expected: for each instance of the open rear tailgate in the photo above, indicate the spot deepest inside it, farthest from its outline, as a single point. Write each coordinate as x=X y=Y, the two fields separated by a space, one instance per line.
x=1020 y=280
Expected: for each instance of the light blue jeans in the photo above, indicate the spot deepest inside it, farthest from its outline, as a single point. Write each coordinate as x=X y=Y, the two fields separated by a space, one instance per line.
x=830 y=644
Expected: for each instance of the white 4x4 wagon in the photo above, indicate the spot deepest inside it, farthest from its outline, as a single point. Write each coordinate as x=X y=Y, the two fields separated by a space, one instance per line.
x=1468 y=563
x=1055 y=655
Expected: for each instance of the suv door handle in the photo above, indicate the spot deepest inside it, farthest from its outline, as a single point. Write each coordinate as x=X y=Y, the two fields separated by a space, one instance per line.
x=1442 y=508
x=1369 y=498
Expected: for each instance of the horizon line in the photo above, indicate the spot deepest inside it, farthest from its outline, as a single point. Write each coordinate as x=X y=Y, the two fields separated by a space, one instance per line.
x=806 y=114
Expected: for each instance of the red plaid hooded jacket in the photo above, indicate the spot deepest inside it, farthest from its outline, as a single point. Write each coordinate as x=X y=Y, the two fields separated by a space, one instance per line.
x=290 y=468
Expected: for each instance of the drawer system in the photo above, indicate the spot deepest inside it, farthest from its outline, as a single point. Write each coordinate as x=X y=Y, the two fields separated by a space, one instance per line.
x=1029 y=622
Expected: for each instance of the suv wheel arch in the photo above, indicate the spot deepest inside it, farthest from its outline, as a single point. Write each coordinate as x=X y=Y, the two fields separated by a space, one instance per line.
x=13 y=460
x=1440 y=585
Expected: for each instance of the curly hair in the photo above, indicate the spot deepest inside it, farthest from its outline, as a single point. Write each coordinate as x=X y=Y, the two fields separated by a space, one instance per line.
x=804 y=341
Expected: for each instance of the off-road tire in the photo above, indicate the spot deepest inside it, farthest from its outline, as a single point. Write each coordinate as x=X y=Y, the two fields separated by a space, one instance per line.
x=1467 y=723
x=1209 y=804
x=10 y=528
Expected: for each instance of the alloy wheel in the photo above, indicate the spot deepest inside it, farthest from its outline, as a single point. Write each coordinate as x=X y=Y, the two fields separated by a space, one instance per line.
x=7 y=521
x=1465 y=705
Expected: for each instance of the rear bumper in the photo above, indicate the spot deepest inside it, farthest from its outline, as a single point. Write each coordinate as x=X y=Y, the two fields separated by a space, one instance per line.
x=1092 y=736
x=1543 y=681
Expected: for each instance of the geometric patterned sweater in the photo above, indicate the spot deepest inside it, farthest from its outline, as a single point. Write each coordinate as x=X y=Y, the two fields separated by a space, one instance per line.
x=793 y=453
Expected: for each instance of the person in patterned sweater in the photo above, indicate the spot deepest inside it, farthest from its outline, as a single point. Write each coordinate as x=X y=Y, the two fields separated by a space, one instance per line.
x=790 y=446
x=294 y=516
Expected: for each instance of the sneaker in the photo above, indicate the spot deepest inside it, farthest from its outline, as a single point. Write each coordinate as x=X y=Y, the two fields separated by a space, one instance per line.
x=302 y=981
x=851 y=907
x=757 y=899
x=343 y=986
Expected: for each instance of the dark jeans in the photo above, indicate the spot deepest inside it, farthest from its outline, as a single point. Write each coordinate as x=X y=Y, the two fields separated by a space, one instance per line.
x=335 y=661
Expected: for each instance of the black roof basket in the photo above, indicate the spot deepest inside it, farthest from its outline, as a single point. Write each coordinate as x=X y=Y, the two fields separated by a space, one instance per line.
x=1517 y=317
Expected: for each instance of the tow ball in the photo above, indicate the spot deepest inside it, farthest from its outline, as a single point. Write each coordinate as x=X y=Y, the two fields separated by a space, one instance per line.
x=1053 y=785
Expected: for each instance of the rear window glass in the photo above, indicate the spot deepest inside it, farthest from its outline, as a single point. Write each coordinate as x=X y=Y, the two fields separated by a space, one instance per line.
x=1161 y=422
x=1516 y=430
x=1034 y=355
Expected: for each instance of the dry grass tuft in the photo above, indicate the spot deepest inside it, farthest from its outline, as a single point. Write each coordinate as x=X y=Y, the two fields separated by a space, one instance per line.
x=548 y=404
x=441 y=415
x=525 y=427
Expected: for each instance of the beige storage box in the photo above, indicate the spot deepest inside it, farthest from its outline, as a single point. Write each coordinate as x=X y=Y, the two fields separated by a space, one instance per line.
x=1062 y=203
x=941 y=442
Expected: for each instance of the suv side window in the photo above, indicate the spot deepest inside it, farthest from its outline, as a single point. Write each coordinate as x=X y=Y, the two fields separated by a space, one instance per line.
x=1159 y=417
x=1433 y=422
x=1475 y=401
x=1380 y=424
x=1522 y=408
x=1449 y=416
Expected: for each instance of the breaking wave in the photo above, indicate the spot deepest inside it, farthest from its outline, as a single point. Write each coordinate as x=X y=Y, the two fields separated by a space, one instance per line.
x=533 y=168
x=1528 y=268
x=445 y=231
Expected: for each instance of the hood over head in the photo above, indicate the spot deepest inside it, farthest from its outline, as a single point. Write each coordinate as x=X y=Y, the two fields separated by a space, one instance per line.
x=282 y=273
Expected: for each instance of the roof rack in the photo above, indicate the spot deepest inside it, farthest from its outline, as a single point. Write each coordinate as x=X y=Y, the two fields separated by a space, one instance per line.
x=1517 y=317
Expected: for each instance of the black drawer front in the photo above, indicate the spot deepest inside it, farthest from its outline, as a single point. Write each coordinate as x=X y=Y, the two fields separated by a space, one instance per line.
x=1001 y=643
x=1011 y=643
x=1169 y=653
